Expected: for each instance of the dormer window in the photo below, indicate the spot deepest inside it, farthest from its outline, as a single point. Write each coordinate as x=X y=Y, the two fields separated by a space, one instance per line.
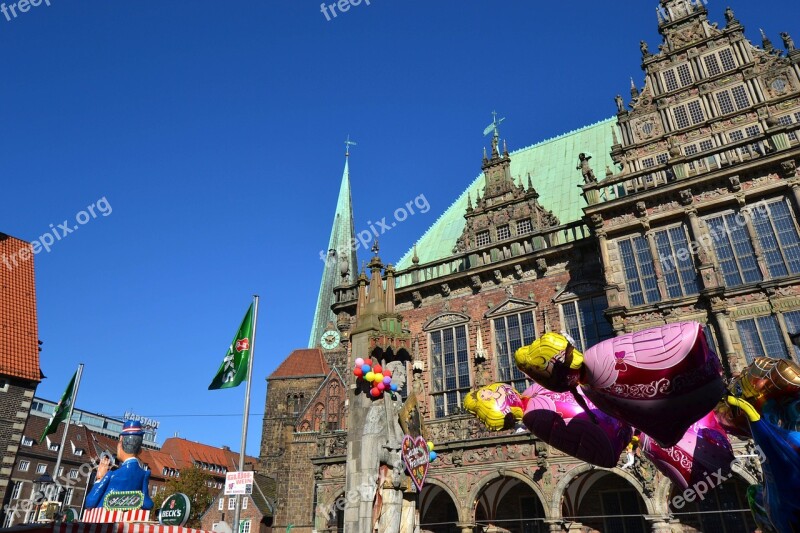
x=482 y=238
x=503 y=233
x=524 y=227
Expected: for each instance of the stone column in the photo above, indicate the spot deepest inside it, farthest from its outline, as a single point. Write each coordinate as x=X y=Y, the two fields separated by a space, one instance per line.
x=734 y=360
x=659 y=524
x=700 y=240
x=466 y=527
x=751 y=232
x=555 y=526
x=660 y=281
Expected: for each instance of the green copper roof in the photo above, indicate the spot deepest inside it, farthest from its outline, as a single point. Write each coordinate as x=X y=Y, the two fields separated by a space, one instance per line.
x=552 y=166
x=340 y=249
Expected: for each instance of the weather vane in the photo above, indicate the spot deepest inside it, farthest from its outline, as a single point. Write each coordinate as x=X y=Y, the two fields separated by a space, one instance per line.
x=494 y=126
x=348 y=143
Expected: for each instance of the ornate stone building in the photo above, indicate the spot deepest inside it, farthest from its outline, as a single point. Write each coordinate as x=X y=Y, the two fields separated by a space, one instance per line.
x=692 y=215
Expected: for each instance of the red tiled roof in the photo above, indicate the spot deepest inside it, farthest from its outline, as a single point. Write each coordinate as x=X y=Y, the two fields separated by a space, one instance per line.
x=19 y=337
x=302 y=363
x=186 y=453
x=78 y=437
x=158 y=461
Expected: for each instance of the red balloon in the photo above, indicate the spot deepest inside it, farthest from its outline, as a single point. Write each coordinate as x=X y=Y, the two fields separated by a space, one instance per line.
x=358 y=372
x=378 y=369
x=368 y=362
x=375 y=392
x=558 y=419
x=387 y=372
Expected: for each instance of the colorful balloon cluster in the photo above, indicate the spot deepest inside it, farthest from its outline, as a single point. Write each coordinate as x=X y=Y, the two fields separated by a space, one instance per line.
x=373 y=373
x=431 y=454
x=664 y=382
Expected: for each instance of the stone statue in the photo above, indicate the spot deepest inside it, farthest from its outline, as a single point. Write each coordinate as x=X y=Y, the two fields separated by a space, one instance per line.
x=730 y=18
x=586 y=169
x=620 y=103
x=788 y=42
x=130 y=476
x=383 y=439
x=644 y=49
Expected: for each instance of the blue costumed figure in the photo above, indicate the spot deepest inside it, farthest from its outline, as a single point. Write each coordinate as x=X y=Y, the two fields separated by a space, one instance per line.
x=129 y=476
x=781 y=447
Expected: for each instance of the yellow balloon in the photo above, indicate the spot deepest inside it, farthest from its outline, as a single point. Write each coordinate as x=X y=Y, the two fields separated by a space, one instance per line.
x=498 y=406
x=370 y=376
x=430 y=446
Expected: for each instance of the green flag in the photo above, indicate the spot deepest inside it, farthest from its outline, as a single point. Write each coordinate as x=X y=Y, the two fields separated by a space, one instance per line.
x=62 y=409
x=234 y=367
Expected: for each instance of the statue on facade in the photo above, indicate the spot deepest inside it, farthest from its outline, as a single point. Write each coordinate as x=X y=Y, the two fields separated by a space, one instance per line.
x=645 y=50
x=130 y=476
x=586 y=169
x=620 y=103
x=383 y=437
x=788 y=42
x=730 y=18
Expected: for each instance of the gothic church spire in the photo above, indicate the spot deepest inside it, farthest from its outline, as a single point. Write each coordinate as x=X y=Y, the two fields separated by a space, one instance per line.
x=341 y=264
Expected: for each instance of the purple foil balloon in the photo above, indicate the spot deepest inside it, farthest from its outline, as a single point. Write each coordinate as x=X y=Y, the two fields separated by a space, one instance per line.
x=557 y=419
x=703 y=450
x=660 y=380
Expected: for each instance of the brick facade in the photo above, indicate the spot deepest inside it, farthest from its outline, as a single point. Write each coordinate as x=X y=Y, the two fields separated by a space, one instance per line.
x=19 y=352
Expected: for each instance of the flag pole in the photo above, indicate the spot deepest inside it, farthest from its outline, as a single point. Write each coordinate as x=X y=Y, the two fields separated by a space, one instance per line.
x=66 y=430
x=237 y=512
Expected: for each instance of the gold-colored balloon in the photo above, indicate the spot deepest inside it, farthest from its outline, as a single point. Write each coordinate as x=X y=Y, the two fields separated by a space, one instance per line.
x=546 y=361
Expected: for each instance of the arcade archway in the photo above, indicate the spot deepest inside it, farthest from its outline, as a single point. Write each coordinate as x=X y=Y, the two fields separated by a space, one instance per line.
x=723 y=509
x=437 y=510
x=602 y=500
x=508 y=503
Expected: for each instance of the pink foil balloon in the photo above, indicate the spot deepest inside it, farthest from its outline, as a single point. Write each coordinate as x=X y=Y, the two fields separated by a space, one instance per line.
x=659 y=380
x=557 y=419
x=703 y=450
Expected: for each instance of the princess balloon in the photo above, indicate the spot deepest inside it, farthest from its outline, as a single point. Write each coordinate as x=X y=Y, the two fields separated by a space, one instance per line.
x=659 y=380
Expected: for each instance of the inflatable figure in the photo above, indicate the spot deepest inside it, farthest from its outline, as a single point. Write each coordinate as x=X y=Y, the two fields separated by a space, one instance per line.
x=771 y=384
x=659 y=380
x=781 y=468
x=755 y=499
x=499 y=406
x=559 y=420
x=703 y=450
x=130 y=476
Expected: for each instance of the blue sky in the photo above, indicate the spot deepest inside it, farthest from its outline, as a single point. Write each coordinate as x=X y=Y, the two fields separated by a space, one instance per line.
x=215 y=132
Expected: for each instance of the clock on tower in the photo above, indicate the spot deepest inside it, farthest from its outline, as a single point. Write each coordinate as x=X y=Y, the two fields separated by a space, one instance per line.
x=330 y=339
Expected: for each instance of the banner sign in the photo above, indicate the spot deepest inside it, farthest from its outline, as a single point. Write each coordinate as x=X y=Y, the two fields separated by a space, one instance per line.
x=175 y=510
x=124 y=500
x=416 y=458
x=238 y=483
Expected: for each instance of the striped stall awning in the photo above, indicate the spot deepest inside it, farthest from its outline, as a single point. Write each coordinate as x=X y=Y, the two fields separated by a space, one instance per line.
x=120 y=527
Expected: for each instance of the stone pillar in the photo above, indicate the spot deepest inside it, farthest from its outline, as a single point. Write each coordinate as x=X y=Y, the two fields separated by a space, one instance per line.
x=705 y=265
x=734 y=361
x=660 y=281
x=466 y=527
x=555 y=526
x=659 y=524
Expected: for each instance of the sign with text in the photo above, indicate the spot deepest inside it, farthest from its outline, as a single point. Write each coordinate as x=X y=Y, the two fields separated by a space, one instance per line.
x=238 y=483
x=175 y=510
x=416 y=459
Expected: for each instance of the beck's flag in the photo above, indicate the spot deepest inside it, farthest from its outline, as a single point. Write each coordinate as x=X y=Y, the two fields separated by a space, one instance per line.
x=234 y=367
x=62 y=409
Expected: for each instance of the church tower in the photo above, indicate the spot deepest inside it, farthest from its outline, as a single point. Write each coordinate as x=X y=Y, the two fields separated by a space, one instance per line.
x=340 y=264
